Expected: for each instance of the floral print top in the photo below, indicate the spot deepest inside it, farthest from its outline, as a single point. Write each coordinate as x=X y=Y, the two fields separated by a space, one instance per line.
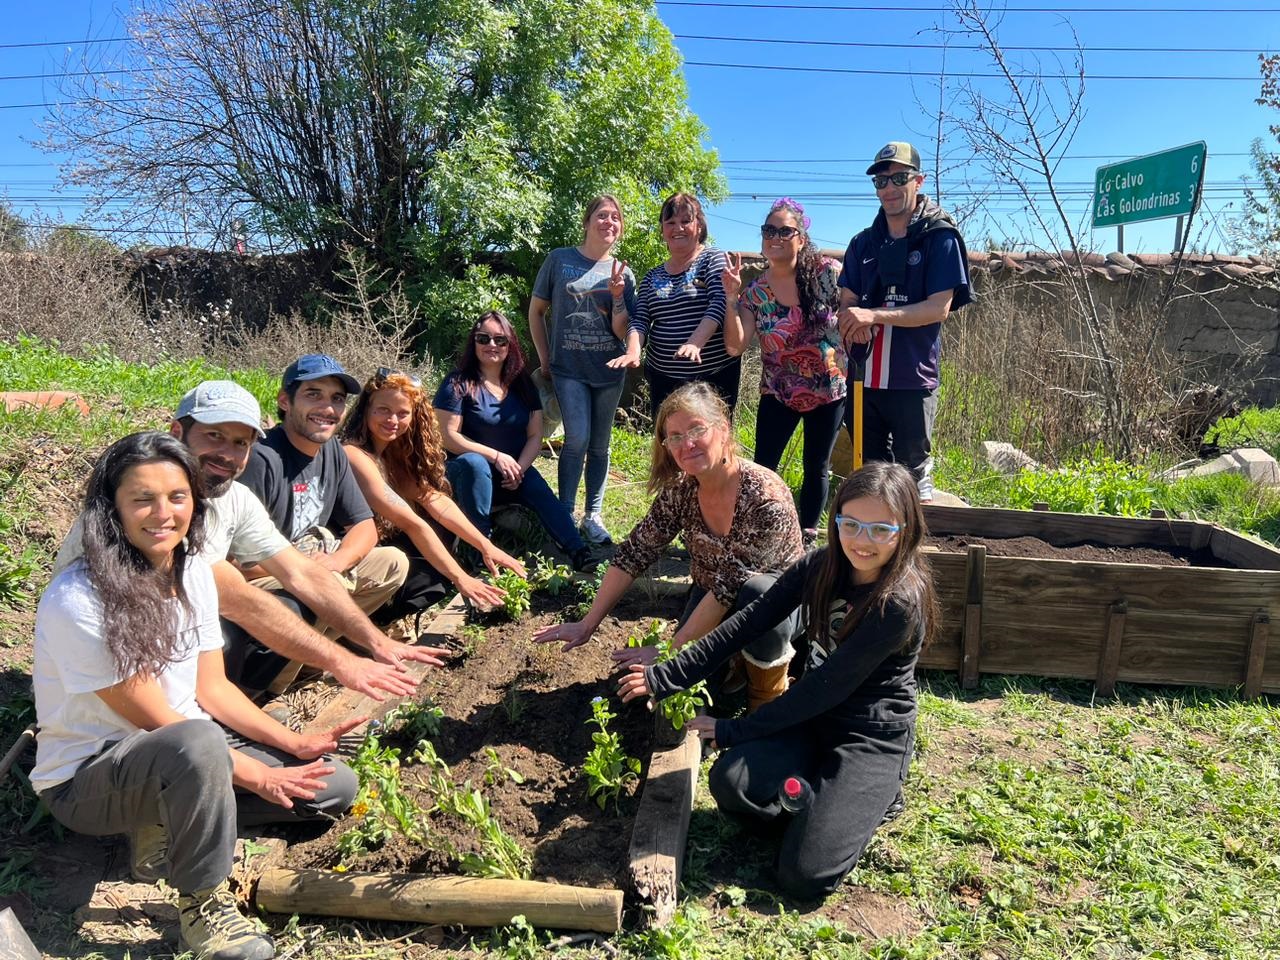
x=764 y=536
x=803 y=364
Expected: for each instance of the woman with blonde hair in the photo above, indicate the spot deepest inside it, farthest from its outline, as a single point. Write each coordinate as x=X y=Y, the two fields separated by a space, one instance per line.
x=582 y=300
x=738 y=522
x=391 y=438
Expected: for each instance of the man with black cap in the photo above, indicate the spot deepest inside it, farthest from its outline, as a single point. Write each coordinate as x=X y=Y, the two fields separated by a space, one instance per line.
x=302 y=476
x=902 y=276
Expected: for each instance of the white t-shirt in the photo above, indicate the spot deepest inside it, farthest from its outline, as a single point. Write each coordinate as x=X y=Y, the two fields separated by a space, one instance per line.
x=236 y=526
x=72 y=663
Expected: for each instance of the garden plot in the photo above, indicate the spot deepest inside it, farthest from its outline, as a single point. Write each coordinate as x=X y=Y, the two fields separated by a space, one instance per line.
x=486 y=775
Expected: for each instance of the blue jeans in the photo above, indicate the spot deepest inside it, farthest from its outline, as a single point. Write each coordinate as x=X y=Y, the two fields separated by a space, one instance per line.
x=587 y=413
x=477 y=488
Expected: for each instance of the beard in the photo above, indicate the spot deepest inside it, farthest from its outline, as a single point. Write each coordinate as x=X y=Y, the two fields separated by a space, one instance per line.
x=216 y=486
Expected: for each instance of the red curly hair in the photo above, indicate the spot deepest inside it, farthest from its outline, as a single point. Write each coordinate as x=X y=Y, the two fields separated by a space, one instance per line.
x=415 y=459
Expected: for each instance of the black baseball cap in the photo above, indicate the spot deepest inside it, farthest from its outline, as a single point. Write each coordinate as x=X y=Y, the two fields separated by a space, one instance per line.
x=896 y=151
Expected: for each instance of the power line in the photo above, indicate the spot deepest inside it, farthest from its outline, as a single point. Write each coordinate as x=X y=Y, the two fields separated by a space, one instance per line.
x=1061 y=156
x=60 y=43
x=878 y=8
x=1252 y=51
x=947 y=73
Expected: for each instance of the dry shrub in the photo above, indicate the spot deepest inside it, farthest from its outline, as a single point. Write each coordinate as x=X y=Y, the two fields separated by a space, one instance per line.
x=85 y=301
x=1017 y=370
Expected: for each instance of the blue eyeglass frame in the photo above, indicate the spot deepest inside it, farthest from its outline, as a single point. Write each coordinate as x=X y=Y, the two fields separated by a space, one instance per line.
x=843 y=523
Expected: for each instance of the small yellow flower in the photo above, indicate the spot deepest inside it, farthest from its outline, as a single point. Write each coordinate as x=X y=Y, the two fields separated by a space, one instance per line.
x=360 y=809
x=373 y=794
x=340 y=868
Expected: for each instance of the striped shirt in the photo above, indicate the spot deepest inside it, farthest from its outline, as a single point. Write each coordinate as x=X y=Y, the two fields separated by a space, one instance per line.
x=670 y=309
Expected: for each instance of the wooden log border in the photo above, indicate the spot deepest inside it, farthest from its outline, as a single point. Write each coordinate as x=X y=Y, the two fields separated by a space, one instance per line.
x=1109 y=660
x=661 y=828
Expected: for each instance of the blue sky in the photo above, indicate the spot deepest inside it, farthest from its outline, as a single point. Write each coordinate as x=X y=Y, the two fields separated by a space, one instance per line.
x=810 y=135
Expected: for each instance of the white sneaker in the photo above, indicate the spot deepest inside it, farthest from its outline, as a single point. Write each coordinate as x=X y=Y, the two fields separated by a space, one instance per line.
x=593 y=529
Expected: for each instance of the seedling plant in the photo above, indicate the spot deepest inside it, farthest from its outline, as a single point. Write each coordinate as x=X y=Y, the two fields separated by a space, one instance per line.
x=607 y=768
x=516 y=603
x=679 y=708
x=381 y=807
x=549 y=577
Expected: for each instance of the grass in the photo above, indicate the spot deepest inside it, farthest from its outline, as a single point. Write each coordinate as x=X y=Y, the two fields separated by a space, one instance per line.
x=1040 y=823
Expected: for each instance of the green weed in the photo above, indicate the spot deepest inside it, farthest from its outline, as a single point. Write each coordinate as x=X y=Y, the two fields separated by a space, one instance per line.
x=607 y=768
x=414 y=720
x=495 y=771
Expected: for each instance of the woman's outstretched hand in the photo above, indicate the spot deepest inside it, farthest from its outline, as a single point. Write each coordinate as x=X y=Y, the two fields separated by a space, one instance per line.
x=633 y=685
x=482 y=594
x=494 y=558
x=313 y=745
x=572 y=634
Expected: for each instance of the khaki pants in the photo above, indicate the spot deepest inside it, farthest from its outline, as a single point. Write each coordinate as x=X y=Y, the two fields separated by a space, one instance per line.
x=371 y=583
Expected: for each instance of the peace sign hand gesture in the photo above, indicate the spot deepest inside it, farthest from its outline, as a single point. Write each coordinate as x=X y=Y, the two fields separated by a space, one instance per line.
x=618 y=279
x=731 y=275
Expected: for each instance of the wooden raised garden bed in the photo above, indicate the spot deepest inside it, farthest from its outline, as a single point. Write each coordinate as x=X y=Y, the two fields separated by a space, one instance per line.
x=1195 y=611
x=513 y=728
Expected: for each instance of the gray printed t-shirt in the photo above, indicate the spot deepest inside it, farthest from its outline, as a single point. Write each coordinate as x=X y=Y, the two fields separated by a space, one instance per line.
x=578 y=321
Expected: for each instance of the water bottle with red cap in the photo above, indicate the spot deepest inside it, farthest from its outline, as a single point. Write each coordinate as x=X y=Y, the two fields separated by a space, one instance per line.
x=795 y=794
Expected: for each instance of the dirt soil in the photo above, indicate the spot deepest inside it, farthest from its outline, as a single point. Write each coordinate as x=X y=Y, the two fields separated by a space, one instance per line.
x=1037 y=549
x=529 y=703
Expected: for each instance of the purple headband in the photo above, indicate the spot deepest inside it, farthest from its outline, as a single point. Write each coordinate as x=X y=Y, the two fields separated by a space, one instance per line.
x=791 y=205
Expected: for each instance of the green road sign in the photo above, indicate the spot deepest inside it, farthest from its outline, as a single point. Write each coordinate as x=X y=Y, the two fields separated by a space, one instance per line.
x=1159 y=185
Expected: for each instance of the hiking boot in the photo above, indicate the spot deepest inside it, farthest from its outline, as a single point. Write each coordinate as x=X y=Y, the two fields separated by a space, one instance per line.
x=593 y=530
x=149 y=853
x=214 y=929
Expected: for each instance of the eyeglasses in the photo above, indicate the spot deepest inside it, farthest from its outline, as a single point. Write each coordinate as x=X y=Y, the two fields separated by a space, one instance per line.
x=695 y=434
x=876 y=532
x=484 y=339
x=383 y=373
x=899 y=179
x=769 y=231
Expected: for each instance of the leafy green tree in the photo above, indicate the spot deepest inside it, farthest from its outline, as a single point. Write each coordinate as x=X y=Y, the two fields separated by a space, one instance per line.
x=447 y=140
x=13 y=231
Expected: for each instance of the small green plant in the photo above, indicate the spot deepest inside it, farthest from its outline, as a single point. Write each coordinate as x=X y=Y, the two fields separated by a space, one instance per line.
x=607 y=768
x=495 y=771
x=414 y=721
x=500 y=855
x=381 y=806
x=1099 y=485
x=472 y=637
x=516 y=602
x=588 y=587
x=652 y=637
x=680 y=708
x=513 y=704
x=516 y=941
x=549 y=577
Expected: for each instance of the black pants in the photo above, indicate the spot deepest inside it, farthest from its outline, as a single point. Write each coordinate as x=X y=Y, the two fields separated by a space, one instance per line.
x=724 y=381
x=251 y=665
x=423 y=587
x=771 y=647
x=776 y=422
x=897 y=427
x=853 y=782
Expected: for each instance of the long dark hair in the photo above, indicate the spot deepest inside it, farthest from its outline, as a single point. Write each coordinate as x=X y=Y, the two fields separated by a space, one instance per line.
x=139 y=625
x=809 y=268
x=515 y=372
x=906 y=578
x=415 y=459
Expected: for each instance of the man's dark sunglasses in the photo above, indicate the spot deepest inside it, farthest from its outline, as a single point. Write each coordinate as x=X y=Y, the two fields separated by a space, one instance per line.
x=899 y=179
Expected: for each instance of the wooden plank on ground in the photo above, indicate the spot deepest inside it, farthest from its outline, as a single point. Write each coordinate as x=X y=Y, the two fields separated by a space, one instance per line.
x=350 y=703
x=661 y=827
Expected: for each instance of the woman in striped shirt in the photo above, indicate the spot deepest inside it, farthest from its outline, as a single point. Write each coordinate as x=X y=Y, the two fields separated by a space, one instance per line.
x=680 y=311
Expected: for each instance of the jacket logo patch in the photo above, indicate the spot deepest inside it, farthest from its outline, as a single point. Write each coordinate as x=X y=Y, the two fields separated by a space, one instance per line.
x=913 y=258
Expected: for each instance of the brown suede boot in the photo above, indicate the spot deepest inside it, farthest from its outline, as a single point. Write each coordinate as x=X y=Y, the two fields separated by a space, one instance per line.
x=764 y=684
